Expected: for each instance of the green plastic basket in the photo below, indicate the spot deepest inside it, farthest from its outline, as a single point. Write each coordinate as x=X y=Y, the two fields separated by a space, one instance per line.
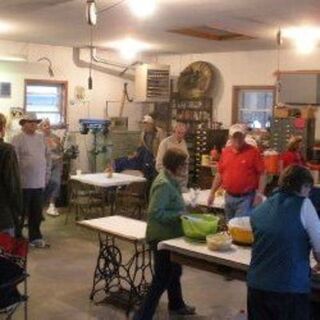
x=198 y=226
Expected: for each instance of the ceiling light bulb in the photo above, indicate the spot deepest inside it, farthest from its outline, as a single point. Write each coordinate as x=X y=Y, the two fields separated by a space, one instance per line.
x=142 y=8
x=305 y=45
x=4 y=27
x=129 y=48
x=128 y=54
x=305 y=38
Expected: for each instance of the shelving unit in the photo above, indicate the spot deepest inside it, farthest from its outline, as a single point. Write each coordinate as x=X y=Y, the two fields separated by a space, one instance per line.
x=283 y=128
x=197 y=115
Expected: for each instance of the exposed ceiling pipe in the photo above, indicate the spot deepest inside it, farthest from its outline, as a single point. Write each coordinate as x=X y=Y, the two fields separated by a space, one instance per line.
x=84 y=64
x=131 y=66
x=125 y=67
x=104 y=61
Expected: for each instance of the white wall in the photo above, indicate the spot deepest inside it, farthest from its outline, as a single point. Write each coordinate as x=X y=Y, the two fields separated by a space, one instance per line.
x=233 y=68
x=105 y=87
x=243 y=68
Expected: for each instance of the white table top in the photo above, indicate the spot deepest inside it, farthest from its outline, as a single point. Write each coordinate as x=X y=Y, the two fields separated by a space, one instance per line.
x=238 y=257
x=118 y=226
x=202 y=199
x=102 y=180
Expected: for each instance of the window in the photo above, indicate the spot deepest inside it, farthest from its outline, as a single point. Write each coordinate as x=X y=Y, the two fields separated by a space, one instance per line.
x=253 y=105
x=48 y=99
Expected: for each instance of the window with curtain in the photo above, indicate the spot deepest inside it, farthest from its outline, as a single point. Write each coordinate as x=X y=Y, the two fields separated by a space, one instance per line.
x=253 y=106
x=48 y=99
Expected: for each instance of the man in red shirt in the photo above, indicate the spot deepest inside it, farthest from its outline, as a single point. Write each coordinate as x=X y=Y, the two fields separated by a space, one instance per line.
x=240 y=173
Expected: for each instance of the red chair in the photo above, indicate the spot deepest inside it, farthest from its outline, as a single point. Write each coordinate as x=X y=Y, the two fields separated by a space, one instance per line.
x=13 y=259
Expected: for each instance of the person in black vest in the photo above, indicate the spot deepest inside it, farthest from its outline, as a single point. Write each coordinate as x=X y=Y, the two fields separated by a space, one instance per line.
x=286 y=228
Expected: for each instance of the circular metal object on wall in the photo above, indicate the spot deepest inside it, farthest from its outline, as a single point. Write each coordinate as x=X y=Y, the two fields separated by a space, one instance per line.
x=195 y=81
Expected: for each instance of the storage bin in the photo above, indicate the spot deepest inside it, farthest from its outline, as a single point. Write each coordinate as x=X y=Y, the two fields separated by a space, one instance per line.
x=281 y=112
x=271 y=162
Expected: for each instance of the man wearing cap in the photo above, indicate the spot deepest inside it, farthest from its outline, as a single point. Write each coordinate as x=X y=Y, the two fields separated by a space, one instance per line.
x=176 y=140
x=240 y=173
x=35 y=165
x=151 y=135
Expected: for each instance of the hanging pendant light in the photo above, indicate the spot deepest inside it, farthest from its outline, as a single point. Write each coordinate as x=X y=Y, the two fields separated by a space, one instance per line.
x=91 y=12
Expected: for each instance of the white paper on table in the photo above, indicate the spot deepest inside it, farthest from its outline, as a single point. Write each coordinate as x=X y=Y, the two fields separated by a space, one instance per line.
x=202 y=199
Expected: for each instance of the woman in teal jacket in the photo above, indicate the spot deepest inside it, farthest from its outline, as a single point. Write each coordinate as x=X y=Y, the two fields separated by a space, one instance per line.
x=165 y=208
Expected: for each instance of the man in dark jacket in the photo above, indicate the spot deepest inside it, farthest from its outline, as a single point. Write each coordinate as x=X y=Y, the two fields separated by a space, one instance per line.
x=10 y=189
x=10 y=213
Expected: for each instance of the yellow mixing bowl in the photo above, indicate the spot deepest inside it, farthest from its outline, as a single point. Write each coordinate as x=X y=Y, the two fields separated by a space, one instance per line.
x=241 y=236
x=240 y=230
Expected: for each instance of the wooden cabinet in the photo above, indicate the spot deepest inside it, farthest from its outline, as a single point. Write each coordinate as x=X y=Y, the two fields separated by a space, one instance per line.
x=283 y=128
x=205 y=177
x=197 y=115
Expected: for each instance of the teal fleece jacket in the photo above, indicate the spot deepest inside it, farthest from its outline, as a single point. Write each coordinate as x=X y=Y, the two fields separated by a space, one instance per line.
x=165 y=207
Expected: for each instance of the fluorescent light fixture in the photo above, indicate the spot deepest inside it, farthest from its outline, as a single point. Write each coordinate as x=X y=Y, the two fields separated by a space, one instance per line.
x=305 y=38
x=129 y=47
x=12 y=58
x=142 y=8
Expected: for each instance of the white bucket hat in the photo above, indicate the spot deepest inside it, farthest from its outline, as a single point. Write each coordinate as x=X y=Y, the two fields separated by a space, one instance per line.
x=29 y=117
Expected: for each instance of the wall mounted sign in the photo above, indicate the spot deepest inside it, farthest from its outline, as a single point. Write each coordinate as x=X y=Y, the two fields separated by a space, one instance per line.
x=5 y=90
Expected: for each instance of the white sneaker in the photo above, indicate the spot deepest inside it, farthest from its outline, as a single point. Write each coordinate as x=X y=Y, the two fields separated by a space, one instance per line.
x=52 y=210
x=39 y=243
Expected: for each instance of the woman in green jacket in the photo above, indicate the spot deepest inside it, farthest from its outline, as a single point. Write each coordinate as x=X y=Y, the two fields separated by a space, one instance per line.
x=165 y=208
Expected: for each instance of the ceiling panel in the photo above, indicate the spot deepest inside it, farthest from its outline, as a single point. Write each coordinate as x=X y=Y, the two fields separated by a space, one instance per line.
x=62 y=22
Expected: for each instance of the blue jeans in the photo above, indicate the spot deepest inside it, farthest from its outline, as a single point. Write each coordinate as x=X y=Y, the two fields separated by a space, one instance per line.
x=52 y=190
x=238 y=206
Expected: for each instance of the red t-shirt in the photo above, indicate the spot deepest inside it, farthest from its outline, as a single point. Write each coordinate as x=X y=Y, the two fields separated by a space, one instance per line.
x=240 y=170
x=290 y=157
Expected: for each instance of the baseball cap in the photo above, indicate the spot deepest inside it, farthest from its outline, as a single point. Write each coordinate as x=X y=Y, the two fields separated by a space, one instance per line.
x=238 y=127
x=147 y=119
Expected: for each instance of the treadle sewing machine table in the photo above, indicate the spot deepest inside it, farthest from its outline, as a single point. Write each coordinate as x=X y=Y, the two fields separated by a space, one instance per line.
x=117 y=280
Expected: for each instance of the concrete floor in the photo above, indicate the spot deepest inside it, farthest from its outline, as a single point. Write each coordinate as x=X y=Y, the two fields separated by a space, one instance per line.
x=61 y=277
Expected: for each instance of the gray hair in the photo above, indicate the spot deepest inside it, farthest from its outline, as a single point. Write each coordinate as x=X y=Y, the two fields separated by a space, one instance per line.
x=179 y=124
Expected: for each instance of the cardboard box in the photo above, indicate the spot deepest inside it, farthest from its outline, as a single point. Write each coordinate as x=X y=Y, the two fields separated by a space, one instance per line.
x=281 y=112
